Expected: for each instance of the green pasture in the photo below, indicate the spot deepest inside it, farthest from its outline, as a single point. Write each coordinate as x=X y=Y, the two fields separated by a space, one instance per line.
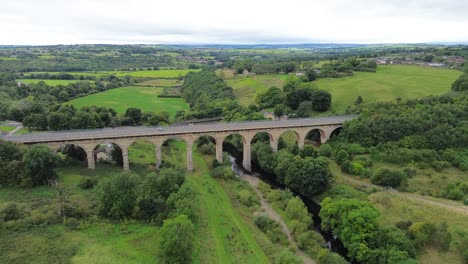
x=6 y=128
x=387 y=84
x=247 y=88
x=145 y=98
x=49 y=82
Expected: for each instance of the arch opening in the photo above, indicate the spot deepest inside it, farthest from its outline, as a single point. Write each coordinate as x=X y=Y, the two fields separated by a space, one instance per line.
x=108 y=153
x=142 y=155
x=288 y=139
x=73 y=154
x=174 y=153
x=314 y=137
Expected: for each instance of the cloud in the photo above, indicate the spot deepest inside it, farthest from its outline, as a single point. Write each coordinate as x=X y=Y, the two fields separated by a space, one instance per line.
x=241 y=21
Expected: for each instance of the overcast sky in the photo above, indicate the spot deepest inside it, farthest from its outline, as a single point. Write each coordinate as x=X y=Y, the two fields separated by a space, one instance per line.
x=232 y=22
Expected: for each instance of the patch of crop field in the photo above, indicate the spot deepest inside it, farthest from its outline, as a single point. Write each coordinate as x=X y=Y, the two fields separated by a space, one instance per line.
x=246 y=88
x=160 y=83
x=387 y=84
x=225 y=73
x=6 y=128
x=48 y=82
x=145 y=98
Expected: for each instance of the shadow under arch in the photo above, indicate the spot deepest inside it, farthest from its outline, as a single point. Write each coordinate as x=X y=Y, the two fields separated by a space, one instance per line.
x=73 y=154
x=314 y=137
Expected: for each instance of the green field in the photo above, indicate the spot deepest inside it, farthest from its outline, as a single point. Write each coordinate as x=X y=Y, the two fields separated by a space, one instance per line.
x=6 y=128
x=247 y=88
x=145 y=98
x=49 y=82
x=387 y=84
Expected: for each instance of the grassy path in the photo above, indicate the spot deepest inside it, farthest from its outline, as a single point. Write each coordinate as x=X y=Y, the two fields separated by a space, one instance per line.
x=232 y=237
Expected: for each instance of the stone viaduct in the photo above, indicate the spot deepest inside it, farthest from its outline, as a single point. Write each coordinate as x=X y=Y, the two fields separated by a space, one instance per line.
x=124 y=137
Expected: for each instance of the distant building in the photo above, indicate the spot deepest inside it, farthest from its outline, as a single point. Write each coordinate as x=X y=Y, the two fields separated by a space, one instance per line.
x=246 y=72
x=300 y=73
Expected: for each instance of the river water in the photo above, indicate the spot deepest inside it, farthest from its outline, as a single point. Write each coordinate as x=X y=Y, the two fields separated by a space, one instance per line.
x=332 y=242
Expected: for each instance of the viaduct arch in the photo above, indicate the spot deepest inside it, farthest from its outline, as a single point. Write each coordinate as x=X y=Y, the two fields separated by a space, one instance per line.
x=126 y=136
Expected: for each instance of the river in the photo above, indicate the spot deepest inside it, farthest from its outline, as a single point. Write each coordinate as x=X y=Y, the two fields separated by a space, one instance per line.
x=332 y=242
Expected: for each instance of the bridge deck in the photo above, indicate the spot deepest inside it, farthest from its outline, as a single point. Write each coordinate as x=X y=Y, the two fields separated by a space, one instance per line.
x=119 y=132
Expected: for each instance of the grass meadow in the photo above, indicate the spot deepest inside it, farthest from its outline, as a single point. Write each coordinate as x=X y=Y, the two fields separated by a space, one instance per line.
x=145 y=98
x=247 y=88
x=222 y=233
x=387 y=84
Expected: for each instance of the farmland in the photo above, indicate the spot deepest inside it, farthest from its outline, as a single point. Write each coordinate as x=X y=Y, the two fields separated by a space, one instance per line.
x=169 y=74
x=387 y=84
x=48 y=82
x=246 y=88
x=145 y=98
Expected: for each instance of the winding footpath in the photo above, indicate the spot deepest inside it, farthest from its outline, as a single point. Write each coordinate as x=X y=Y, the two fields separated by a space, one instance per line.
x=253 y=181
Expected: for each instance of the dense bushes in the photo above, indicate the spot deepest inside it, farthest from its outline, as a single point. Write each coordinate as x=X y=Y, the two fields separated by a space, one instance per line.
x=355 y=222
x=388 y=178
x=177 y=240
x=461 y=84
x=307 y=176
x=272 y=229
x=434 y=122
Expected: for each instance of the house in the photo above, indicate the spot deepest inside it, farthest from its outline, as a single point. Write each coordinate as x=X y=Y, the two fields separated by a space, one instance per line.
x=381 y=61
x=300 y=73
x=245 y=72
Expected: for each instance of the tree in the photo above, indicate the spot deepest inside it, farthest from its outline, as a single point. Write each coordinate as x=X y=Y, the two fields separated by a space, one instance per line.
x=358 y=100
x=286 y=257
x=135 y=114
x=280 y=109
x=59 y=121
x=461 y=84
x=295 y=97
x=342 y=156
x=177 y=237
x=311 y=74
x=39 y=164
x=270 y=98
x=291 y=84
x=388 y=178
x=284 y=159
x=36 y=121
x=321 y=100
x=117 y=195
x=308 y=176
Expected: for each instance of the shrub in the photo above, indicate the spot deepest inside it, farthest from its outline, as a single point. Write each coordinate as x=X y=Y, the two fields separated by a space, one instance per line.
x=88 y=183
x=39 y=164
x=117 y=195
x=310 y=242
x=342 y=156
x=10 y=212
x=421 y=233
x=177 y=237
x=296 y=210
x=223 y=172
x=388 y=178
x=440 y=165
x=325 y=150
x=297 y=227
x=182 y=202
x=246 y=198
x=286 y=257
x=71 y=223
x=327 y=257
